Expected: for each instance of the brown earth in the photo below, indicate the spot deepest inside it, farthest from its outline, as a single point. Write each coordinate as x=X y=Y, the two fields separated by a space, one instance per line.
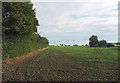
x=51 y=65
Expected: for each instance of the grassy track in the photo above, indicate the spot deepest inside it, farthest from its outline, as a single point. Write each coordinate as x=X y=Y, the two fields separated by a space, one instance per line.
x=66 y=63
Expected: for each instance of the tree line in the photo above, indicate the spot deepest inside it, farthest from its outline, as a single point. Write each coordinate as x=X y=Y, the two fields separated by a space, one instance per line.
x=19 y=29
x=94 y=42
x=19 y=18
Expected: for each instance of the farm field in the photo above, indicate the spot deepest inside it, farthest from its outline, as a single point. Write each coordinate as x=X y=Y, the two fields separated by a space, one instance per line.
x=65 y=63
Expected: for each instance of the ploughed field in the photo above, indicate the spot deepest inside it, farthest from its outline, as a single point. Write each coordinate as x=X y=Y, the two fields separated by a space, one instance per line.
x=70 y=63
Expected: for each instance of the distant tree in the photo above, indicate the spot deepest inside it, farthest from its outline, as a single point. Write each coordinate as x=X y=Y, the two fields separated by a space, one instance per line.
x=86 y=45
x=61 y=44
x=93 y=41
x=75 y=45
x=110 y=45
x=102 y=43
x=118 y=43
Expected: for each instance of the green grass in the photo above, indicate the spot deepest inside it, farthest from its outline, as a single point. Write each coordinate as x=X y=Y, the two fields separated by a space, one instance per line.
x=105 y=59
x=104 y=54
x=108 y=55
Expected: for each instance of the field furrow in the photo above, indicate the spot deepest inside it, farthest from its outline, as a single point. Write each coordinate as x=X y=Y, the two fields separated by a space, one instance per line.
x=65 y=64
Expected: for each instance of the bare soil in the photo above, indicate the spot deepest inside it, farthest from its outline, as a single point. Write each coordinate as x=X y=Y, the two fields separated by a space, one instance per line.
x=51 y=65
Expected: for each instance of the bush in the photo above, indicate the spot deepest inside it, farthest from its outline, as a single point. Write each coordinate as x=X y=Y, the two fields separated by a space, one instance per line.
x=102 y=43
x=19 y=45
x=110 y=45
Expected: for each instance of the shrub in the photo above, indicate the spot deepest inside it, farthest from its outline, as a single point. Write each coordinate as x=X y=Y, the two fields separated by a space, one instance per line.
x=110 y=45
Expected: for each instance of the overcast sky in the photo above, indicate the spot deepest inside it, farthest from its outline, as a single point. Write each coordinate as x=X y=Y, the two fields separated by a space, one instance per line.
x=63 y=22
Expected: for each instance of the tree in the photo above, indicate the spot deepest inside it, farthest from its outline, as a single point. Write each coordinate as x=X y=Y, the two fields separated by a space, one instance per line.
x=75 y=45
x=61 y=44
x=93 y=41
x=86 y=45
x=118 y=43
x=18 y=18
x=102 y=43
x=110 y=45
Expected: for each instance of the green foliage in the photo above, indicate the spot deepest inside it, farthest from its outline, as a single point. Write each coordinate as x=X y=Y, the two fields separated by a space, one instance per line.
x=86 y=45
x=19 y=45
x=93 y=41
x=110 y=45
x=99 y=59
x=102 y=43
x=118 y=43
x=18 y=18
x=88 y=53
x=19 y=27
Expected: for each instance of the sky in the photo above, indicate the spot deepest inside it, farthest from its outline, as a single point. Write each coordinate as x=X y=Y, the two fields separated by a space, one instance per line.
x=63 y=22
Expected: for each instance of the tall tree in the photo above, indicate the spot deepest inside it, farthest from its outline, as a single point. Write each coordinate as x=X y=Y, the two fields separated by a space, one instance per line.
x=93 y=41
x=18 y=17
